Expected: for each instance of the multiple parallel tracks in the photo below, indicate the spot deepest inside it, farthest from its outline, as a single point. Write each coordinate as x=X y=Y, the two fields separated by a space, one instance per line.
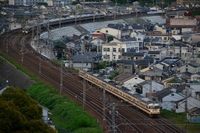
x=121 y=118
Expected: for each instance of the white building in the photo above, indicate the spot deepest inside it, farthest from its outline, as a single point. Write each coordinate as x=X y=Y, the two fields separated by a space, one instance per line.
x=148 y=87
x=132 y=83
x=112 y=51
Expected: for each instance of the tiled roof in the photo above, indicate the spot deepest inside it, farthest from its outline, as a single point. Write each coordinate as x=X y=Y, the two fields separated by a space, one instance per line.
x=126 y=61
x=144 y=62
x=153 y=52
x=161 y=94
x=193 y=65
x=194 y=111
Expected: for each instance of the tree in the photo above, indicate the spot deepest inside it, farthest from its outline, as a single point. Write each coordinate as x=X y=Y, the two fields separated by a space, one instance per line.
x=20 y=113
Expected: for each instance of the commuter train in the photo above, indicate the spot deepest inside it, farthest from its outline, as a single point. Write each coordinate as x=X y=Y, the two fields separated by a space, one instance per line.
x=68 y=20
x=148 y=106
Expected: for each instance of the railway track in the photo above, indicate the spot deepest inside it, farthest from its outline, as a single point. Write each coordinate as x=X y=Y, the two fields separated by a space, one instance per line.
x=127 y=119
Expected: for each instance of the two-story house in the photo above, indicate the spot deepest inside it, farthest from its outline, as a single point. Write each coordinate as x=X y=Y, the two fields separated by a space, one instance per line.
x=181 y=25
x=133 y=55
x=168 y=97
x=123 y=66
x=190 y=67
x=113 y=51
x=85 y=61
x=158 y=34
x=148 y=87
x=116 y=30
x=155 y=54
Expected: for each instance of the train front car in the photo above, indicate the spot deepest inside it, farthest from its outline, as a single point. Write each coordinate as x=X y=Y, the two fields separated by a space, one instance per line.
x=154 y=109
x=26 y=29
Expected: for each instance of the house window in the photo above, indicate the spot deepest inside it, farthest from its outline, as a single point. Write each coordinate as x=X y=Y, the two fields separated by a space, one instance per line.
x=114 y=49
x=98 y=31
x=139 y=39
x=186 y=69
x=106 y=56
x=86 y=64
x=165 y=38
x=106 y=49
x=106 y=31
x=119 y=56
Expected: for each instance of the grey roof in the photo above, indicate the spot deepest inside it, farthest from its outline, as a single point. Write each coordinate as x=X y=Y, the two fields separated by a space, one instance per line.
x=145 y=82
x=130 y=39
x=170 y=60
x=161 y=94
x=147 y=39
x=132 y=54
x=151 y=59
x=186 y=35
x=156 y=39
x=193 y=65
x=144 y=62
x=81 y=59
x=178 y=44
x=126 y=61
x=154 y=52
x=118 y=26
x=180 y=88
x=194 y=111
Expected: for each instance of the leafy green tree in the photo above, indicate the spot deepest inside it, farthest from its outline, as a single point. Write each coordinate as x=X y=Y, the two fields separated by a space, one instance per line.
x=110 y=38
x=20 y=113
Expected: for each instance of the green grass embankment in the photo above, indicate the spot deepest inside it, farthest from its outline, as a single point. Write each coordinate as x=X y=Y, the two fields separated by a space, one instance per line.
x=179 y=119
x=65 y=113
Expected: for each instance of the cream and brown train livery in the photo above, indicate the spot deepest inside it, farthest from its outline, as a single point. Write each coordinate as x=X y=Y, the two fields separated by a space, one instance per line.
x=148 y=106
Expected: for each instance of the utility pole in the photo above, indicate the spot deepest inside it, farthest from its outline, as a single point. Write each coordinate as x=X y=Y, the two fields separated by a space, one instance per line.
x=61 y=77
x=38 y=32
x=84 y=91
x=113 y=118
x=104 y=108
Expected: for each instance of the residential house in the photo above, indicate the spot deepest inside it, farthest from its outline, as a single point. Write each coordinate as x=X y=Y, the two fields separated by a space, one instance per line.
x=148 y=87
x=151 y=73
x=141 y=64
x=158 y=34
x=193 y=115
x=168 y=98
x=181 y=25
x=160 y=28
x=113 y=51
x=169 y=65
x=137 y=27
x=116 y=30
x=155 y=54
x=172 y=81
x=190 y=67
x=96 y=43
x=181 y=50
x=195 y=76
x=132 y=83
x=132 y=41
x=187 y=37
x=85 y=61
x=128 y=80
x=192 y=98
x=194 y=90
x=132 y=55
x=191 y=103
x=137 y=40
x=45 y=115
x=125 y=66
